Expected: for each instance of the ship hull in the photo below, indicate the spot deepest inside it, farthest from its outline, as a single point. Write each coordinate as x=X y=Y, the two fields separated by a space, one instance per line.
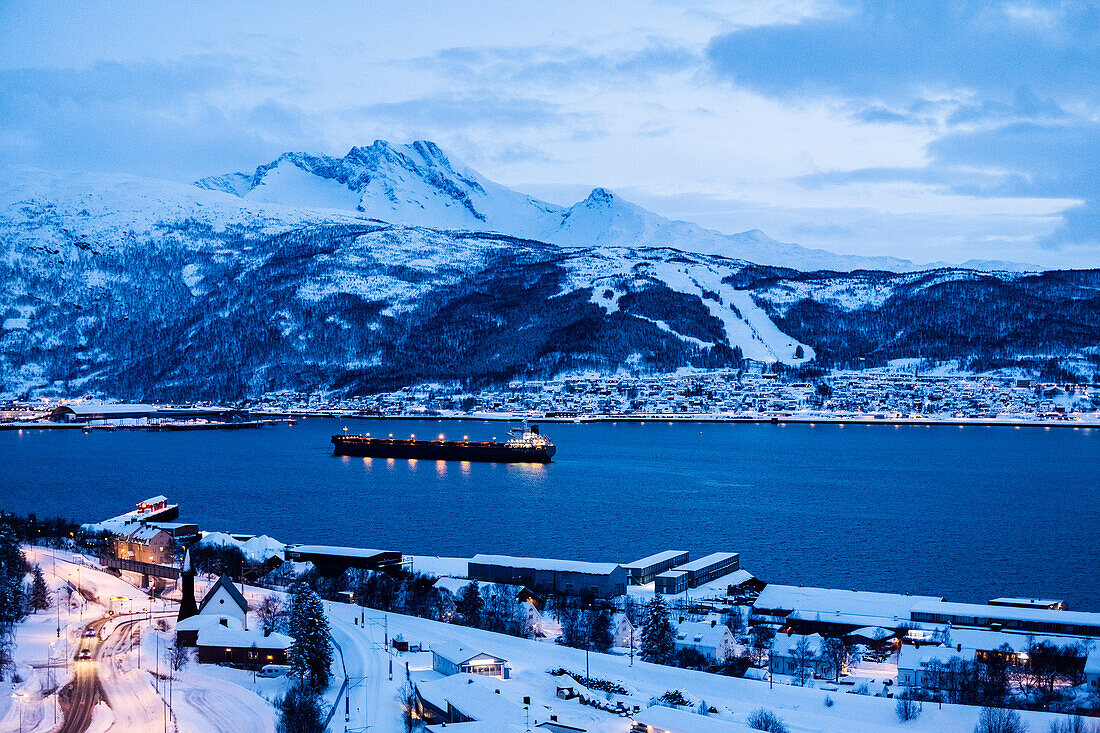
x=438 y=450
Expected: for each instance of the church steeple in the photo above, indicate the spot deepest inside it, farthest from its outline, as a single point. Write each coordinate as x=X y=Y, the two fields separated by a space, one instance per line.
x=188 y=607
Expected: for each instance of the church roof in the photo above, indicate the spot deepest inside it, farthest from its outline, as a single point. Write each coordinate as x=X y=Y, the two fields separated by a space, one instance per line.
x=225 y=582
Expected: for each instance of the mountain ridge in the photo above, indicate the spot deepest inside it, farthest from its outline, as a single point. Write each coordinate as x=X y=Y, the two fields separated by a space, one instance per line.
x=420 y=184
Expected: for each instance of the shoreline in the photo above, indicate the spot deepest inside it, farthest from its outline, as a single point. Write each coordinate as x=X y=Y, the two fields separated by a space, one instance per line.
x=274 y=418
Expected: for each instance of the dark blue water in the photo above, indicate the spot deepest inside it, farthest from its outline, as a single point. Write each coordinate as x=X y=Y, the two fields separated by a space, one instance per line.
x=969 y=513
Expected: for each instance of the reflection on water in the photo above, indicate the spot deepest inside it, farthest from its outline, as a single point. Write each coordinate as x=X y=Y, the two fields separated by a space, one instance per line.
x=441 y=469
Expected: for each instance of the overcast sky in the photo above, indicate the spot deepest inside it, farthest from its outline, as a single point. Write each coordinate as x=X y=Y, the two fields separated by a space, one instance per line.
x=927 y=130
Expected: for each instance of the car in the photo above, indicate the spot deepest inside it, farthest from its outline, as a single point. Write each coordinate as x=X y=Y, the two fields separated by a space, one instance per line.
x=274 y=670
x=84 y=654
x=89 y=632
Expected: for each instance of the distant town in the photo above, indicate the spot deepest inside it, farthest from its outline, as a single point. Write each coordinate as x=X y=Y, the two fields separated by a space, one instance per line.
x=880 y=394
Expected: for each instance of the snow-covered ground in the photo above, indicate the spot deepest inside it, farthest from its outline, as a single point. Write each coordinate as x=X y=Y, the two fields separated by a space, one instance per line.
x=369 y=674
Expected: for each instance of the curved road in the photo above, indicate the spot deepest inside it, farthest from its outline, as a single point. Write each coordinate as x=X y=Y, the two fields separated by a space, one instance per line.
x=83 y=691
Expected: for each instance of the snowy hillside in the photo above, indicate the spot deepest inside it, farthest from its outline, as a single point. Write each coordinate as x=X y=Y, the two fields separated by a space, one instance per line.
x=420 y=185
x=145 y=289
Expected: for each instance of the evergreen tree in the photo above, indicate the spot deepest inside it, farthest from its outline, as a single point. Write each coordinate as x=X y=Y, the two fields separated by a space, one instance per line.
x=658 y=634
x=40 y=595
x=600 y=636
x=300 y=711
x=311 y=653
x=13 y=568
x=470 y=604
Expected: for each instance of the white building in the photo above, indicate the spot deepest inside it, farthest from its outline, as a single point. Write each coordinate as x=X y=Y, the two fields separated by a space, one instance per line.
x=710 y=638
x=623 y=631
x=785 y=658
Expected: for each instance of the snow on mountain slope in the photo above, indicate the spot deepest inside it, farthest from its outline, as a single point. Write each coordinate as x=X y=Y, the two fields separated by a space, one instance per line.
x=420 y=185
x=416 y=184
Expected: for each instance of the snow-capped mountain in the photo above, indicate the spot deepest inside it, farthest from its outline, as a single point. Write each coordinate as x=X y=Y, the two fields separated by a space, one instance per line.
x=148 y=289
x=420 y=185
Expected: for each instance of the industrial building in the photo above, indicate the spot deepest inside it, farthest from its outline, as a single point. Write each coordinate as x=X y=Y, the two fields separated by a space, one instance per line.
x=645 y=570
x=711 y=567
x=564 y=577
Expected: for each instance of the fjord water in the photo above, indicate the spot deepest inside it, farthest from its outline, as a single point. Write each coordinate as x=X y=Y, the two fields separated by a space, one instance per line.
x=968 y=513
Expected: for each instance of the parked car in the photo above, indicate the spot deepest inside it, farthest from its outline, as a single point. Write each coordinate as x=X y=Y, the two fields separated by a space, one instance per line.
x=274 y=670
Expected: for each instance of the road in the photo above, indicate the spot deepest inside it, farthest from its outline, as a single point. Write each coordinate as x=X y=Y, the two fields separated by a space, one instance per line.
x=84 y=691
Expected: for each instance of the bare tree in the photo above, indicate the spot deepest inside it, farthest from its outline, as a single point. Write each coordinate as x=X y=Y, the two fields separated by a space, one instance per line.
x=271 y=613
x=804 y=657
x=908 y=708
x=177 y=656
x=410 y=719
x=836 y=653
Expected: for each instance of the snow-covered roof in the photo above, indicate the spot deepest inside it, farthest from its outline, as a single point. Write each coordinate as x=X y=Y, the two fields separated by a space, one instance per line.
x=218 y=635
x=539 y=563
x=646 y=562
x=910 y=657
x=705 y=562
x=337 y=551
x=104 y=408
x=458 y=654
x=783 y=645
x=197 y=623
x=1006 y=613
x=1028 y=602
x=682 y=721
x=224 y=582
x=141 y=534
x=831 y=601
x=485 y=699
x=671 y=574
x=454 y=585
x=155 y=499
x=700 y=633
x=1092 y=661
x=871 y=632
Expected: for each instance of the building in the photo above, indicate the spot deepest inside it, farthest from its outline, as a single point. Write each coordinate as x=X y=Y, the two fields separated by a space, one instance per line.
x=622 y=631
x=332 y=561
x=449 y=659
x=148 y=544
x=830 y=611
x=671 y=582
x=996 y=618
x=565 y=577
x=226 y=643
x=785 y=656
x=711 y=639
x=917 y=666
x=1051 y=604
x=1092 y=670
x=498 y=705
x=645 y=570
x=711 y=567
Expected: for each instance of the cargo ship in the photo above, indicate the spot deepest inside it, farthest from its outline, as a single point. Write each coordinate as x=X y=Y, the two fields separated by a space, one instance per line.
x=522 y=446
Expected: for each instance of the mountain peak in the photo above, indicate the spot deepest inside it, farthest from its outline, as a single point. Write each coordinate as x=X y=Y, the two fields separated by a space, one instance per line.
x=601 y=196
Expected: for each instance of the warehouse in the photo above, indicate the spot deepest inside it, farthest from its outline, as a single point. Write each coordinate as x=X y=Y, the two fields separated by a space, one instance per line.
x=564 y=577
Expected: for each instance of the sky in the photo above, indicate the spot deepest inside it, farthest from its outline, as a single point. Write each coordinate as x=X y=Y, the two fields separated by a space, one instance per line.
x=934 y=131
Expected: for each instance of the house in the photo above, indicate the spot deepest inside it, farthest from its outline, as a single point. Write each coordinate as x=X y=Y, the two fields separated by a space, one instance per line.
x=711 y=639
x=785 y=656
x=565 y=577
x=622 y=631
x=917 y=664
x=450 y=659
x=465 y=698
x=224 y=642
x=146 y=543
x=1092 y=670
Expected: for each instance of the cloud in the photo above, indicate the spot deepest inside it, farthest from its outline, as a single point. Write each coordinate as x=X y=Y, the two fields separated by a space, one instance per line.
x=563 y=65
x=899 y=50
x=462 y=110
